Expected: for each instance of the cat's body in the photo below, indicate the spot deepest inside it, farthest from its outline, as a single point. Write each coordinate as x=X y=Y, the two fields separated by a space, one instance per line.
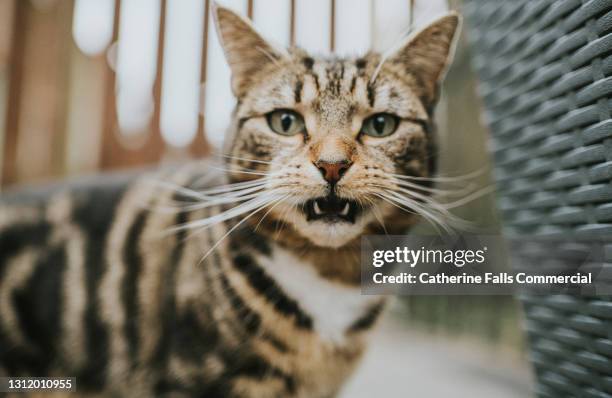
x=92 y=287
x=177 y=284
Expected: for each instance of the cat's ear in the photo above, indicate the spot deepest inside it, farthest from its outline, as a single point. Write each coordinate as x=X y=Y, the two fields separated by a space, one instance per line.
x=245 y=50
x=429 y=52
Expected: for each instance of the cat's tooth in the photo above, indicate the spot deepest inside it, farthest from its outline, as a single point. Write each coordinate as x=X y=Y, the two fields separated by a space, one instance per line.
x=346 y=209
x=317 y=209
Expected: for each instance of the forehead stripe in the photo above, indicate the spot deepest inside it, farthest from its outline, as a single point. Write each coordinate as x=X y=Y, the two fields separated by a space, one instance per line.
x=353 y=84
x=316 y=81
x=298 y=91
x=371 y=94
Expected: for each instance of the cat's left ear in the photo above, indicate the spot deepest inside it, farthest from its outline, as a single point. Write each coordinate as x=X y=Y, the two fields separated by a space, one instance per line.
x=428 y=53
x=245 y=50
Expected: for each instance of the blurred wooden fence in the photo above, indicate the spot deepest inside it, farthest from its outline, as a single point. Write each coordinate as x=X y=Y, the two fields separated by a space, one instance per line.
x=61 y=109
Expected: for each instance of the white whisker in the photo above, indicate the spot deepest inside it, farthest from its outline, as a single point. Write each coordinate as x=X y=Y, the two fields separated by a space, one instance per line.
x=471 y=197
x=413 y=207
x=230 y=213
x=430 y=202
x=375 y=211
x=234 y=193
x=281 y=225
x=210 y=202
x=228 y=188
x=270 y=209
x=232 y=230
x=179 y=189
x=462 y=177
x=245 y=159
x=243 y=171
x=435 y=191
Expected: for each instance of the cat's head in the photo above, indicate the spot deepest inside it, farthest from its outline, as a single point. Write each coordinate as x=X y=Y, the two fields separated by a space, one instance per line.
x=344 y=143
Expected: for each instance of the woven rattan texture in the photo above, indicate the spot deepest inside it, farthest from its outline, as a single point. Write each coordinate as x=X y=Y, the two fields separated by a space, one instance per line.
x=545 y=71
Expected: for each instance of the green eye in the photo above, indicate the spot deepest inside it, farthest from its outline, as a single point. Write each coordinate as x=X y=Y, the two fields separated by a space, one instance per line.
x=285 y=122
x=380 y=125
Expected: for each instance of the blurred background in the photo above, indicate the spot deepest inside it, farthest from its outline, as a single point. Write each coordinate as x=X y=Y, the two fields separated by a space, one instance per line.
x=94 y=85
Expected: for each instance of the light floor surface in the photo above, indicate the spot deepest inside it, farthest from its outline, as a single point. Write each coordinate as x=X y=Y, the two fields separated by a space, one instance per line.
x=402 y=363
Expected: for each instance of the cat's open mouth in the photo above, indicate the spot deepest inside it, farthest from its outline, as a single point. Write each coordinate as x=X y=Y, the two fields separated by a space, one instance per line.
x=331 y=209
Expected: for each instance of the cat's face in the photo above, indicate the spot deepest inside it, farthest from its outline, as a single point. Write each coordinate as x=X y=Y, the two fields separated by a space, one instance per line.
x=334 y=136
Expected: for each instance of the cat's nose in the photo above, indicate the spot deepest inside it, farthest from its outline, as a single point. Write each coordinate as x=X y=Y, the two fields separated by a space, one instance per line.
x=333 y=171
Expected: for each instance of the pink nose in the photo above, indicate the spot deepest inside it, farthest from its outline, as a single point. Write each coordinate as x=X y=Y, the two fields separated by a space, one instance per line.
x=333 y=171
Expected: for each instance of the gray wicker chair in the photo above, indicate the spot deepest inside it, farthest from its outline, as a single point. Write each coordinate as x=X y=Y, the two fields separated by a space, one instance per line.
x=545 y=70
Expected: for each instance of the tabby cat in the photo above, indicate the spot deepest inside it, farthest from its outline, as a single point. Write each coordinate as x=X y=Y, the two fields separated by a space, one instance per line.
x=242 y=282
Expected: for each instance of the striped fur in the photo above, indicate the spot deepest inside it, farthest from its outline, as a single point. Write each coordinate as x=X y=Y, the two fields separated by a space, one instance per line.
x=97 y=292
x=91 y=285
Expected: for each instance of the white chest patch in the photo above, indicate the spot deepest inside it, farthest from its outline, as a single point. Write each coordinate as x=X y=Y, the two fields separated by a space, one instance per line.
x=332 y=307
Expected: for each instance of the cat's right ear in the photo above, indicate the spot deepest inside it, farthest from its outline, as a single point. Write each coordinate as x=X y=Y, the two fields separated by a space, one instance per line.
x=245 y=50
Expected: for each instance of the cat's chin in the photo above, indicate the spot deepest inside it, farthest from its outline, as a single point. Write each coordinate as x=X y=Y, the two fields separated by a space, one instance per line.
x=333 y=234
